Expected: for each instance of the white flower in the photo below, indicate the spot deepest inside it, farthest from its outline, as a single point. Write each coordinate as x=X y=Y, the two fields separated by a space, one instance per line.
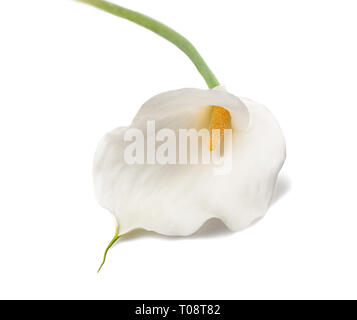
x=179 y=199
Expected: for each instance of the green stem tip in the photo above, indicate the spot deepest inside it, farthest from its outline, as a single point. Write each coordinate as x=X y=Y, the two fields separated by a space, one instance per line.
x=115 y=238
x=163 y=31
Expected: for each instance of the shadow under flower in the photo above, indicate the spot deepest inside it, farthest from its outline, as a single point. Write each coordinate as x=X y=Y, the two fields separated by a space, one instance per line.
x=282 y=187
x=212 y=228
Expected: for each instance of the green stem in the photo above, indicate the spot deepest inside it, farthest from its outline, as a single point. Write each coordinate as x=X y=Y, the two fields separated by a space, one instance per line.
x=115 y=238
x=163 y=31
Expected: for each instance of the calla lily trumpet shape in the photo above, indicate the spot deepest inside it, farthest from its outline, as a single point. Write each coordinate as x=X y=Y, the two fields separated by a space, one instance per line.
x=179 y=199
x=149 y=183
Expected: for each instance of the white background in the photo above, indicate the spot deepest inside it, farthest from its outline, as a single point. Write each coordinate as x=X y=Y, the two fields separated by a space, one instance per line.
x=69 y=73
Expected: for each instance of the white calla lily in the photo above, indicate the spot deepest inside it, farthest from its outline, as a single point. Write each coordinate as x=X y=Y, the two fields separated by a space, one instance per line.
x=175 y=198
x=178 y=200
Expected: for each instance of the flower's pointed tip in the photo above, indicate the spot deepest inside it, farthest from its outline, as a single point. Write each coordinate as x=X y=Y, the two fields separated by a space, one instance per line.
x=100 y=268
x=102 y=264
x=103 y=261
x=115 y=238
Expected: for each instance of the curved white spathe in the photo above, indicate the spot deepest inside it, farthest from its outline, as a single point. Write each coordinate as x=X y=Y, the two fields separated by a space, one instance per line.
x=179 y=199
